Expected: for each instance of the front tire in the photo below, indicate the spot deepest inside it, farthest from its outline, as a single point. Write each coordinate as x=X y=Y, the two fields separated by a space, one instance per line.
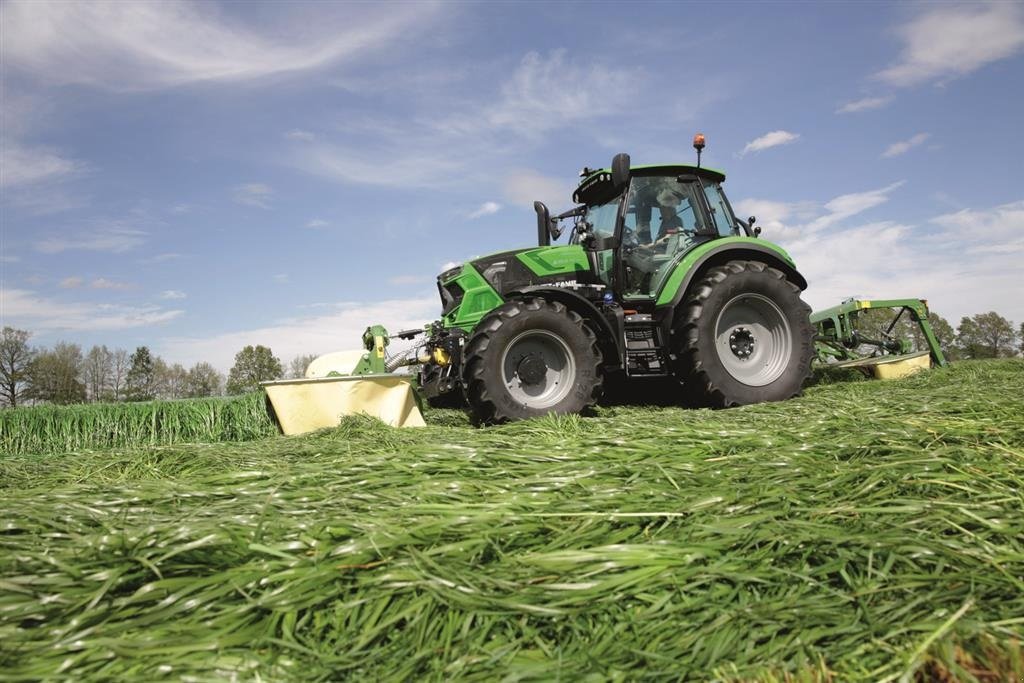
x=745 y=337
x=528 y=358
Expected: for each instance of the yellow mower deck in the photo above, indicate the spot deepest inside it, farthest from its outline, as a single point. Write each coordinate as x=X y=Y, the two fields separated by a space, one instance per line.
x=305 y=405
x=888 y=367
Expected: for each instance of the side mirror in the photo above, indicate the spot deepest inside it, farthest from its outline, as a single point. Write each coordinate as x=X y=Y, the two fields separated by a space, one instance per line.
x=543 y=221
x=620 y=170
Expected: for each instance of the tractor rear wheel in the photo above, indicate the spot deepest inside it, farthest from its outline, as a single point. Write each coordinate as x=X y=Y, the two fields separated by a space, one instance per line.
x=744 y=337
x=528 y=358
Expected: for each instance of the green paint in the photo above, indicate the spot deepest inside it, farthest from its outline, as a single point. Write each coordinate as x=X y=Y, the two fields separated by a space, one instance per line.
x=478 y=299
x=545 y=261
x=838 y=324
x=683 y=268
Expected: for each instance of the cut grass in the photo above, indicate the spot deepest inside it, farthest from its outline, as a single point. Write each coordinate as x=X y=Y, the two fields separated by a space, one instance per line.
x=867 y=531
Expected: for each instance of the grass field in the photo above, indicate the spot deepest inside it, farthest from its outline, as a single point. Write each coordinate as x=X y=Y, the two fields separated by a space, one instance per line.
x=866 y=531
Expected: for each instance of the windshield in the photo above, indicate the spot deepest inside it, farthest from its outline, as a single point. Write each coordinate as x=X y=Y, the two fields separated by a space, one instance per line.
x=602 y=217
x=721 y=214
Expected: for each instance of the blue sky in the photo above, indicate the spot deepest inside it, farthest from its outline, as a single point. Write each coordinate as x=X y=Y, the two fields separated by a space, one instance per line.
x=197 y=177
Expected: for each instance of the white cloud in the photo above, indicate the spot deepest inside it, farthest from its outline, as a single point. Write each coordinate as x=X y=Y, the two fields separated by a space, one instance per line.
x=317 y=223
x=864 y=104
x=847 y=205
x=115 y=240
x=139 y=46
x=72 y=282
x=996 y=229
x=485 y=209
x=25 y=309
x=776 y=218
x=339 y=328
x=172 y=294
x=904 y=146
x=22 y=165
x=546 y=93
x=525 y=186
x=964 y=262
x=253 y=194
x=768 y=140
x=954 y=41
x=300 y=135
x=104 y=283
x=281 y=278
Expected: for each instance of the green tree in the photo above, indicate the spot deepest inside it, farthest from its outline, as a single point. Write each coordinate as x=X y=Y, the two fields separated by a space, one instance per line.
x=171 y=379
x=253 y=364
x=140 y=382
x=986 y=335
x=15 y=357
x=97 y=369
x=297 y=368
x=943 y=332
x=54 y=375
x=203 y=380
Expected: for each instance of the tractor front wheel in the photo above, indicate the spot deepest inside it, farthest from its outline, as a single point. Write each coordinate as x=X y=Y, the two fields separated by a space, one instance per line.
x=528 y=358
x=744 y=337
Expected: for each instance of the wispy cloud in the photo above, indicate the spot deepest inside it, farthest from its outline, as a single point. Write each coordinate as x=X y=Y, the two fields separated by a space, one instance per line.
x=864 y=104
x=522 y=187
x=317 y=223
x=172 y=294
x=953 y=41
x=300 y=135
x=769 y=140
x=140 y=46
x=485 y=209
x=43 y=315
x=904 y=146
x=281 y=278
x=252 y=194
x=546 y=92
x=21 y=165
x=73 y=282
x=847 y=205
x=114 y=240
x=104 y=283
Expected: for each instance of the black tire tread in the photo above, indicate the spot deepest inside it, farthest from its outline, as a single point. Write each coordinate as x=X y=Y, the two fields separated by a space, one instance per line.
x=695 y=377
x=485 y=409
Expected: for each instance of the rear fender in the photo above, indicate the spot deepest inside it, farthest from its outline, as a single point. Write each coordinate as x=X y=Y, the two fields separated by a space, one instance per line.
x=691 y=270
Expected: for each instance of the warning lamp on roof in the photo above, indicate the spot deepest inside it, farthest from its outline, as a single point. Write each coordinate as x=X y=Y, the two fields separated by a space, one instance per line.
x=698 y=144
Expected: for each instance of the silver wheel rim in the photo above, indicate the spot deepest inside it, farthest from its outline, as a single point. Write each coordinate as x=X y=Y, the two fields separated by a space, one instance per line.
x=521 y=372
x=753 y=339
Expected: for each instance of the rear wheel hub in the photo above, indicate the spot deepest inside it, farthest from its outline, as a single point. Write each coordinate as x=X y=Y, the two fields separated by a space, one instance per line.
x=532 y=369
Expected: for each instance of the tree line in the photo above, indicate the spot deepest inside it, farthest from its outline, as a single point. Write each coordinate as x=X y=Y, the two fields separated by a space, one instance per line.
x=64 y=374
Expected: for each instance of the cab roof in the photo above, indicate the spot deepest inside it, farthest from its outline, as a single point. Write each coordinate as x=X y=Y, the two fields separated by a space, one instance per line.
x=667 y=169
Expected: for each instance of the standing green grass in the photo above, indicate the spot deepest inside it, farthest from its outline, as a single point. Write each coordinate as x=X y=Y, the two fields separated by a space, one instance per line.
x=867 y=531
x=58 y=429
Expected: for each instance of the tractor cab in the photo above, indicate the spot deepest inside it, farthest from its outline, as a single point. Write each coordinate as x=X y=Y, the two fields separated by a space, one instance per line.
x=641 y=229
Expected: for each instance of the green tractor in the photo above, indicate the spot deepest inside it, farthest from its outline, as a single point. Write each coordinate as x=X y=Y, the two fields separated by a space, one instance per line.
x=659 y=279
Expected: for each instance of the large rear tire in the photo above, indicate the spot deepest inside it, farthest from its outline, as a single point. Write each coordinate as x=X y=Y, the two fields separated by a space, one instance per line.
x=528 y=358
x=744 y=337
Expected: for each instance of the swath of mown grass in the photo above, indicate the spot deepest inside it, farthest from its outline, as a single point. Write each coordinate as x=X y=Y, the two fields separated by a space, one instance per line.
x=49 y=429
x=867 y=531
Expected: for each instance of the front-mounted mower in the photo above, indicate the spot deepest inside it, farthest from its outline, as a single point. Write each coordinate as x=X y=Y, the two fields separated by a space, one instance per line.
x=658 y=279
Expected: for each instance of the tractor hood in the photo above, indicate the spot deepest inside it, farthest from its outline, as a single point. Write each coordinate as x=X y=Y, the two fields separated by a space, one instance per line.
x=508 y=271
x=476 y=287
